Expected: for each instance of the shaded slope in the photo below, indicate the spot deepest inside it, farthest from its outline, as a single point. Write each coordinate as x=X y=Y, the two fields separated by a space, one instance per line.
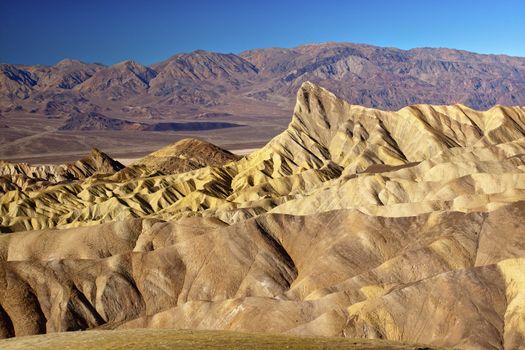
x=15 y=82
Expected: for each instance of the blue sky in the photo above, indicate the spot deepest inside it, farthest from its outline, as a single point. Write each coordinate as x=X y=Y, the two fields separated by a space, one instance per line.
x=111 y=31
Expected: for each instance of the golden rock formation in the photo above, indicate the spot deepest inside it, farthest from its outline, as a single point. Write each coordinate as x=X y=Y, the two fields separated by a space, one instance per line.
x=407 y=226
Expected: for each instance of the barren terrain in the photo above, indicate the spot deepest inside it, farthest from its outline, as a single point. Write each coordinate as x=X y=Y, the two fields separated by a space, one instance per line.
x=57 y=113
x=355 y=222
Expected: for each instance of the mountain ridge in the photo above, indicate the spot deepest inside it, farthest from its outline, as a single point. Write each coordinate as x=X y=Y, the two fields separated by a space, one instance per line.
x=334 y=139
x=255 y=89
x=338 y=66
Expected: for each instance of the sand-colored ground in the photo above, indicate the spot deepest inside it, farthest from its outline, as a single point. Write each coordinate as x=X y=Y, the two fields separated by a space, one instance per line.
x=145 y=339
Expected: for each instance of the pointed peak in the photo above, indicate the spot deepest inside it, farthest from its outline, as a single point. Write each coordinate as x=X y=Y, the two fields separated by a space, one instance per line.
x=96 y=152
x=309 y=85
x=68 y=62
x=100 y=158
x=127 y=64
x=317 y=111
x=96 y=155
x=309 y=92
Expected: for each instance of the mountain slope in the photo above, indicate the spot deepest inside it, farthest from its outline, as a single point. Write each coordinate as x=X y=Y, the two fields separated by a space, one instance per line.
x=390 y=78
x=66 y=74
x=362 y=277
x=372 y=76
x=21 y=81
x=417 y=160
x=200 y=77
x=257 y=87
x=15 y=82
x=204 y=65
x=121 y=80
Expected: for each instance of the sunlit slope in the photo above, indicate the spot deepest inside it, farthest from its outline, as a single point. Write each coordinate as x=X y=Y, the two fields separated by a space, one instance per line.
x=25 y=177
x=333 y=155
x=182 y=156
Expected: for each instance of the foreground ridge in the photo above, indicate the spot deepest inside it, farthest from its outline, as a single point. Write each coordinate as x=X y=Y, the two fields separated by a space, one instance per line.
x=356 y=222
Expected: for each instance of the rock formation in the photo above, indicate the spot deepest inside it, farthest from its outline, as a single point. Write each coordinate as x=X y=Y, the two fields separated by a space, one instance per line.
x=26 y=177
x=355 y=222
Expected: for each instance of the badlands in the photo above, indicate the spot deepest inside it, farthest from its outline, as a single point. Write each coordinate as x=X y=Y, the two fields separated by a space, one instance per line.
x=406 y=226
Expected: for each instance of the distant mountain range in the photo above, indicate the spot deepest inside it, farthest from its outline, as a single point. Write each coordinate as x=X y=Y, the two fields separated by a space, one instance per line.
x=266 y=79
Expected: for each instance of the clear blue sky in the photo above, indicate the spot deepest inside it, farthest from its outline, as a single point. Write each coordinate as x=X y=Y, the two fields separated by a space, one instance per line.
x=110 y=31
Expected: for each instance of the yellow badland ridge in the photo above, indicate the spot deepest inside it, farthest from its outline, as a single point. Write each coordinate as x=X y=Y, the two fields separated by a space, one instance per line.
x=419 y=159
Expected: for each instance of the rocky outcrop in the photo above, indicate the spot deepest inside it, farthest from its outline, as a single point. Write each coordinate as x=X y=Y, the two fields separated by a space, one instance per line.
x=25 y=177
x=420 y=159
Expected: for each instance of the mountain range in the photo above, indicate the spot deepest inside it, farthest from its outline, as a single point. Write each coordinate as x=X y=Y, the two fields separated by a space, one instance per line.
x=254 y=89
x=386 y=78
